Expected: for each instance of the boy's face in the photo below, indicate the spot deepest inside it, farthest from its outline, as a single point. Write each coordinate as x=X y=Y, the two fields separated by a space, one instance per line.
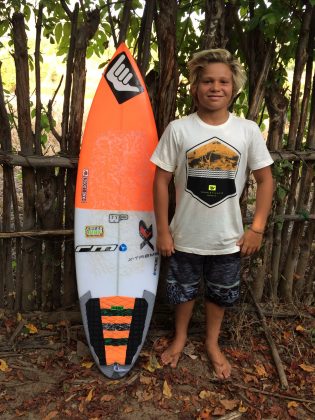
x=215 y=88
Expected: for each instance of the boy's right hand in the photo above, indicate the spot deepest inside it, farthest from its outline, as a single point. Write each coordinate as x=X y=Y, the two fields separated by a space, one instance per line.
x=165 y=244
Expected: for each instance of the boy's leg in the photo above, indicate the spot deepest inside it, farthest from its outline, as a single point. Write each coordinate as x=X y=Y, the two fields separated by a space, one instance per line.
x=183 y=312
x=214 y=317
x=183 y=278
x=222 y=276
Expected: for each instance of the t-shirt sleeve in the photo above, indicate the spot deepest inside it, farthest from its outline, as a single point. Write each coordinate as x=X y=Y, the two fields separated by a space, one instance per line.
x=165 y=154
x=258 y=154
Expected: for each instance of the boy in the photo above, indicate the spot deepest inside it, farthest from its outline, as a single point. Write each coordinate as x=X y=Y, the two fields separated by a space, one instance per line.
x=209 y=152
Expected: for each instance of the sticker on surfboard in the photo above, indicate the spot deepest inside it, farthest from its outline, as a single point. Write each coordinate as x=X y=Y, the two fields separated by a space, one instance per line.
x=122 y=79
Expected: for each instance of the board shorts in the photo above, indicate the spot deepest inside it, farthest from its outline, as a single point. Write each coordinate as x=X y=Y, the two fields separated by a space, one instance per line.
x=221 y=275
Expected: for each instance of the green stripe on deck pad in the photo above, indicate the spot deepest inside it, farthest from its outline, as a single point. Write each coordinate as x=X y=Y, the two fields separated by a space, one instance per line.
x=116 y=312
x=115 y=341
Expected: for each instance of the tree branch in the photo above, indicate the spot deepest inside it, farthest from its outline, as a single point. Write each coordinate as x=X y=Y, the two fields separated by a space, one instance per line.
x=273 y=348
x=49 y=114
x=37 y=137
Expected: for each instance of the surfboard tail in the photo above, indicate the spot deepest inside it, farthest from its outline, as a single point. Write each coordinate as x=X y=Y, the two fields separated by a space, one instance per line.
x=116 y=326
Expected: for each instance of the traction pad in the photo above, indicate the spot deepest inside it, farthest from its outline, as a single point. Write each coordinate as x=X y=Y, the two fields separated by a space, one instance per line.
x=116 y=327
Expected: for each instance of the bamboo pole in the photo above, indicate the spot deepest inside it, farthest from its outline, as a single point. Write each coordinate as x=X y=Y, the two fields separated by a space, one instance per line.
x=59 y=161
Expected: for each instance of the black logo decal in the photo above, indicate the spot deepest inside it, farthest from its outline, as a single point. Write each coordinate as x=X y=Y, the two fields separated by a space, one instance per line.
x=96 y=248
x=146 y=234
x=122 y=79
x=85 y=176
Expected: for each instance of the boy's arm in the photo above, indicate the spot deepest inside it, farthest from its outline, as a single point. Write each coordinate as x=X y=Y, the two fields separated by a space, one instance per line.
x=164 y=241
x=252 y=238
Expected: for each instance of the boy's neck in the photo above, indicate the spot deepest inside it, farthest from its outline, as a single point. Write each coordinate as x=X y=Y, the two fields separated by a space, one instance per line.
x=213 y=118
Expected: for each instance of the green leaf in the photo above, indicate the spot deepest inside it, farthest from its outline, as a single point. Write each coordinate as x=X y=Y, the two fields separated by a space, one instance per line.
x=27 y=12
x=58 y=32
x=305 y=214
x=67 y=30
x=271 y=18
x=287 y=165
x=44 y=122
x=43 y=139
x=4 y=26
x=281 y=192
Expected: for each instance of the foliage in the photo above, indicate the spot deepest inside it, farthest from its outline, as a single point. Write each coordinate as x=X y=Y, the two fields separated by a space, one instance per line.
x=277 y=20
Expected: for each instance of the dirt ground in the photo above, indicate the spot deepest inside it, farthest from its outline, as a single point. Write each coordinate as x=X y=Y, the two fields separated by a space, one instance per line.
x=46 y=371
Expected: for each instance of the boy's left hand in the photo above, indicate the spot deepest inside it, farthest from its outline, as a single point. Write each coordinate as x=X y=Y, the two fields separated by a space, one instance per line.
x=249 y=243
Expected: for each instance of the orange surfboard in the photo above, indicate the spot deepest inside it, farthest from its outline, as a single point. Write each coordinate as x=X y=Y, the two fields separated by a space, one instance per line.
x=117 y=264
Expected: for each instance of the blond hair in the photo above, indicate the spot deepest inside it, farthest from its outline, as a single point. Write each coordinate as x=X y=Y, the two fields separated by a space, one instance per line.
x=219 y=55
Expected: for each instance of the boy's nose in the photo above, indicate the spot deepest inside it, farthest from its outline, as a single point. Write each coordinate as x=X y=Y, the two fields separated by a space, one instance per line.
x=215 y=86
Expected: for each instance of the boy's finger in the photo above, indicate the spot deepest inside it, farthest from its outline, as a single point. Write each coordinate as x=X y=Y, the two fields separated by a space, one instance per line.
x=240 y=242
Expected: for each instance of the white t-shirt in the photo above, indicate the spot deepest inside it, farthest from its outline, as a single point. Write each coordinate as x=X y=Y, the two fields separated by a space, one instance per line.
x=210 y=164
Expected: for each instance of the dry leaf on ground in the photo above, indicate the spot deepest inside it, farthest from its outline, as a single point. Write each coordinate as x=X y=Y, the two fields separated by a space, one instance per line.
x=32 y=329
x=144 y=395
x=89 y=395
x=152 y=364
x=51 y=415
x=108 y=397
x=167 y=390
x=307 y=368
x=293 y=404
x=87 y=365
x=261 y=371
x=229 y=404
x=4 y=366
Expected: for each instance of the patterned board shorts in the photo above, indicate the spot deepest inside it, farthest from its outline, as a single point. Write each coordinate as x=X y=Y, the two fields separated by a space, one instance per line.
x=221 y=274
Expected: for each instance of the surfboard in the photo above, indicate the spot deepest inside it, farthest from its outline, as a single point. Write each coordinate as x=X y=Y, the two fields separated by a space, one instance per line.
x=117 y=264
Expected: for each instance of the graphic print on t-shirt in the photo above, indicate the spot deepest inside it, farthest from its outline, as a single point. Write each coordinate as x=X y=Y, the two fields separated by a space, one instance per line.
x=211 y=169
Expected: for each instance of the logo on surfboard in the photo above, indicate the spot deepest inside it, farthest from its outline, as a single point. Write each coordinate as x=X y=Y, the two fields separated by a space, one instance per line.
x=117 y=217
x=122 y=79
x=146 y=234
x=96 y=248
x=85 y=177
x=95 y=231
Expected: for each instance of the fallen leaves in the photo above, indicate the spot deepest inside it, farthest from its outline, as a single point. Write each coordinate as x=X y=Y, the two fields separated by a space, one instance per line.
x=87 y=365
x=300 y=328
x=167 y=392
x=152 y=389
x=89 y=396
x=4 y=366
x=293 y=404
x=307 y=368
x=51 y=415
x=145 y=395
x=152 y=364
x=250 y=378
x=108 y=397
x=261 y=371
x=229 y=404
x=31 y=328
x=190 y=351
x=204 y=414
